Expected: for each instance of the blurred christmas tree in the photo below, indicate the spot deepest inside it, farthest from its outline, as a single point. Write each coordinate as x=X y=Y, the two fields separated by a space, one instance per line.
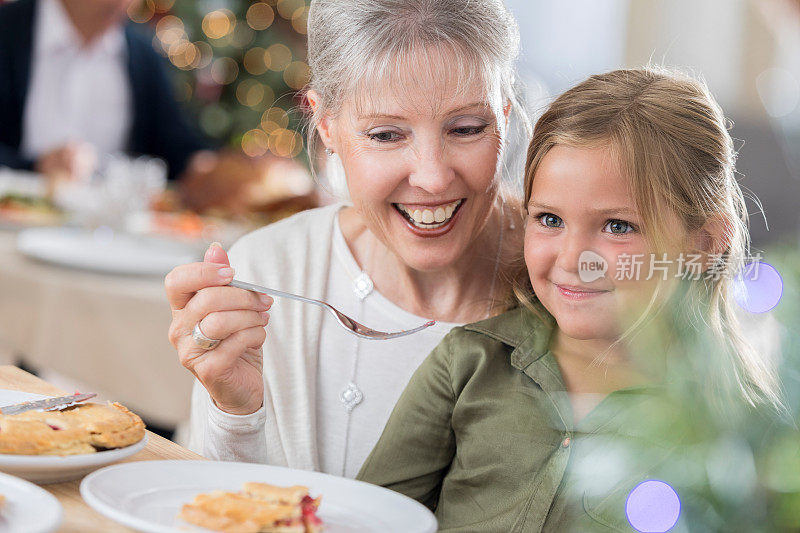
x=239 y=66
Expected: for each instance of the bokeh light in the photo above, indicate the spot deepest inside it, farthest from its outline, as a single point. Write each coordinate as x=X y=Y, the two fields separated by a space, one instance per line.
x=183 y=54
x=163 y=6
x=287 y=8
x=298 y=145
x=170 y=30
x=255 y=95
x=204 y=54
x=300 y=20
x=280 y=57
x=217 y=24
x=260 y=16
x=285 y=143
x=224 y=70
x=254 y=143
x=252 y=93
x=242 y=36
x=273 y=119
x=653 y=507
x=297 y=74
x=758 y=288
x=239 y=60
x=255 y=61
x=141 y=11
x=269 y=96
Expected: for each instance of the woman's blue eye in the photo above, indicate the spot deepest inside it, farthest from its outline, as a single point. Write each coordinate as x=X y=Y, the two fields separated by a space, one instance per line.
x=550 y=220
x=619 y=227
x=466 y=131
x=384 y=136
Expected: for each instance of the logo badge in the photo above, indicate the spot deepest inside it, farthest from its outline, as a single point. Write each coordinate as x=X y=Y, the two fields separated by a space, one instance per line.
x=591 y=266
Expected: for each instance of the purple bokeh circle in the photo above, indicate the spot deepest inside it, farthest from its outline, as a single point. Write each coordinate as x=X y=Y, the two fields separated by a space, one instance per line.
x=758 y=288
x=653 y=507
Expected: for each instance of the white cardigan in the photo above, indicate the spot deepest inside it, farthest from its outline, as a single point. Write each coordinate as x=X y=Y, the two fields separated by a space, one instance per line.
x=299 y=255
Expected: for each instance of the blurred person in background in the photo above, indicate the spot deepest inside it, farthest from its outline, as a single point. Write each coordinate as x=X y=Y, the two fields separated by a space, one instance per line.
x=78 y=80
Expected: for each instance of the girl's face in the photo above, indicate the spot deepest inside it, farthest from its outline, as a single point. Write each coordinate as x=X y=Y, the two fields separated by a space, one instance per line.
x=583 y=241
x=421 y=166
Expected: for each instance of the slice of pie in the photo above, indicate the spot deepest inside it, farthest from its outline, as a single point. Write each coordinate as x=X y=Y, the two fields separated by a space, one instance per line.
x=259 y=508
x=38 y=437
x=109 y=426
x=83 y=428
x=297 y=496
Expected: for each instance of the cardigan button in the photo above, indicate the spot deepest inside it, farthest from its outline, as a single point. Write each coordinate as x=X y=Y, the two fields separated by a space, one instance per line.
x=565 y=443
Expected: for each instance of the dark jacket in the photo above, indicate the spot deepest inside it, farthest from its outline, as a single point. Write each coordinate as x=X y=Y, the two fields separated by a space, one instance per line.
x=158 y=127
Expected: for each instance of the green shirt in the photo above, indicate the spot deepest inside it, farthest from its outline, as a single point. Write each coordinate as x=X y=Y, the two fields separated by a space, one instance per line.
x=484 y=436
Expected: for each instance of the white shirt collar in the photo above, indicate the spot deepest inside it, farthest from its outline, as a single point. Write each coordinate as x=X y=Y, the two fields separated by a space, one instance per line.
x=56 y=32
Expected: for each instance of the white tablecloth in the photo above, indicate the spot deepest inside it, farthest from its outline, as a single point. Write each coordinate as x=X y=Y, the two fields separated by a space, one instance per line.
x=108 y=332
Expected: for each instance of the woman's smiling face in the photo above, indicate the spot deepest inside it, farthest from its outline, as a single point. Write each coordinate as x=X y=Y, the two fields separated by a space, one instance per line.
x=420 y=163
x=580 y=204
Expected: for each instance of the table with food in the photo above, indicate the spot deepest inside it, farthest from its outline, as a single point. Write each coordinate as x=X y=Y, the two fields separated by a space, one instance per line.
x=82 y=267
x=78 y=277
x=93 y=467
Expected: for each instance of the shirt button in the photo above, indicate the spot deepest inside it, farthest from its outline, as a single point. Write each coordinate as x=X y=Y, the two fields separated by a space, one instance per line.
x=565 y=443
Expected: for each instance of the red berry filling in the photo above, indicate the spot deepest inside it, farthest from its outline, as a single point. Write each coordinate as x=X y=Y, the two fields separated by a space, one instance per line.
x=310 y=506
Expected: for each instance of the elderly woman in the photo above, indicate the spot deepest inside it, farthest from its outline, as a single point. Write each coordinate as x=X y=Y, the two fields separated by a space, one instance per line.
x=413 y=103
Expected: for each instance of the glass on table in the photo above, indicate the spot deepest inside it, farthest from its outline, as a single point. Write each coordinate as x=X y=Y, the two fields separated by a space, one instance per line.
x=120 y=187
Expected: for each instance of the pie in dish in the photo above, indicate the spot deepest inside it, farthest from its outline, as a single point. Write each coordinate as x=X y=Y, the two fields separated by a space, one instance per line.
x=82 y=428
x=258 y=508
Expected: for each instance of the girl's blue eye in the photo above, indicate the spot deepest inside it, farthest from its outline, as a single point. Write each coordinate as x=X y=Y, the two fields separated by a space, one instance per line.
x=384 y=136
x=619 y=227
x=550 y=220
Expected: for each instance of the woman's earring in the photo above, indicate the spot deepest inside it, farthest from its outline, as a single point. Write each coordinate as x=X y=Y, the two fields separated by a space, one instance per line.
x=328 y=152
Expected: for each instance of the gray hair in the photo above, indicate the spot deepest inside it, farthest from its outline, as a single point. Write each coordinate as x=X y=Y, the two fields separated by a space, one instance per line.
x=353 y=42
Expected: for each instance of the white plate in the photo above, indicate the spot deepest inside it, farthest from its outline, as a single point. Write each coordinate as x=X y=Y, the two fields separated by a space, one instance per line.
x=148 y=496
x=53 y=468
x=103 y=250
x=28 y=508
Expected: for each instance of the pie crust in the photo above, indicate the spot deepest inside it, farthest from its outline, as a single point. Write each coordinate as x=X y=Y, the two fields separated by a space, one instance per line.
x=83 y=428
x=259 y=508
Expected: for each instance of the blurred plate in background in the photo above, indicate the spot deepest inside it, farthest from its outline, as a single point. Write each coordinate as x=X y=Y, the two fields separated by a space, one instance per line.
x=185 y=226
x=103 y=250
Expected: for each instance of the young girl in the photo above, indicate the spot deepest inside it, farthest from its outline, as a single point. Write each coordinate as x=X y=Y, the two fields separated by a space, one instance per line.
x=626 y=351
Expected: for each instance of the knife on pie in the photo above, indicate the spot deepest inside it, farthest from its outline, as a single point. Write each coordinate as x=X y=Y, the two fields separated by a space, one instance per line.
x=46 y=404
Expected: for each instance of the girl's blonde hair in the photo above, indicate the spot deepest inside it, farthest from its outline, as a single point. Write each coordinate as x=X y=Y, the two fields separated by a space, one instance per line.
x=671 y=140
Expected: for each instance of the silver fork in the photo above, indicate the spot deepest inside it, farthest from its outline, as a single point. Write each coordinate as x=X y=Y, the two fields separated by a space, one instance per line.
x=345 y=321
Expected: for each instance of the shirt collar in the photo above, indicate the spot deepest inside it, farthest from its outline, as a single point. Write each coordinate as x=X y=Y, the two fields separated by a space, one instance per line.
x=528 y=331
x=56 y=32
